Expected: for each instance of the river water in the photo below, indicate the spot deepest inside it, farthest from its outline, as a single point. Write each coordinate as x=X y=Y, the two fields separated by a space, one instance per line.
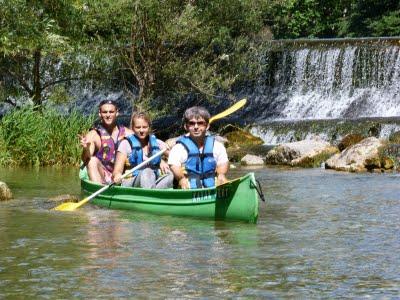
x=321 y=234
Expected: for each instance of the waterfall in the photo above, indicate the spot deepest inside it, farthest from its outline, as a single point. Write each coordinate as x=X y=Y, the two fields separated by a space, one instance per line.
x=329 y=80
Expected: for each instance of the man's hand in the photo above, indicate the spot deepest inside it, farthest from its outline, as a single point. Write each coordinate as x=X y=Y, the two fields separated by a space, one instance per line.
x=221 y=179
x=116 y=178
x=164 y=167
x=184 y=183
x=85 y=143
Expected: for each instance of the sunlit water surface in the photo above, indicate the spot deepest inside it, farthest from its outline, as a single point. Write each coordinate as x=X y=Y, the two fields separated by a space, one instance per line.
x=321 y=234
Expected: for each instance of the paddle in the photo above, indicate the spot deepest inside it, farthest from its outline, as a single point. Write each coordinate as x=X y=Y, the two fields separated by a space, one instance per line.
x=70 y=206
x=228 y=111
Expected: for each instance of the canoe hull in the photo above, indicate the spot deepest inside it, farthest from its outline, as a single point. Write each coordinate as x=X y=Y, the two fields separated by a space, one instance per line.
x=236 y=200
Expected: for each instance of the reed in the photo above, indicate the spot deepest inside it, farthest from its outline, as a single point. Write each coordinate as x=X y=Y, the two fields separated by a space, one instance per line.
x=30 y=137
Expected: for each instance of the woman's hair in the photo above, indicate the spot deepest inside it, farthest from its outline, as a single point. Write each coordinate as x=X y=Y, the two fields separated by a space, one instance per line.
x=196 y=112
x=140 y=115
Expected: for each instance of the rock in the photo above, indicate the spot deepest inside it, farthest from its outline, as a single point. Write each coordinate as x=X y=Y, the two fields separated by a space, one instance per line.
x=65 y=198
x=349 y=140
x=241 y=142
x=242 y=138
x=5 y=192
x=306 y=153
x=387 y=163
x=251 y=160
x=357 y=158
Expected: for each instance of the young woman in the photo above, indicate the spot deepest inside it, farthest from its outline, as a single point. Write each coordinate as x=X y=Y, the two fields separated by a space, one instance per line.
x=135 y=149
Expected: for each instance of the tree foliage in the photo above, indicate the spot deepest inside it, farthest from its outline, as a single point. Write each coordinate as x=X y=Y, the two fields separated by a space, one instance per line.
x=162 y=48
x=333 y=18
x=181 y=47
x=35 y=36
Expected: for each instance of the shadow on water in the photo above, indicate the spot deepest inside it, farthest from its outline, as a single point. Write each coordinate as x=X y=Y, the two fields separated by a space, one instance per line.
x=320 y=234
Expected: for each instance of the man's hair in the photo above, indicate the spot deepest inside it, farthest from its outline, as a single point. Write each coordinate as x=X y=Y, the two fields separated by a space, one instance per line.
x=140 y=115
x=196 y=112
x=103 y=102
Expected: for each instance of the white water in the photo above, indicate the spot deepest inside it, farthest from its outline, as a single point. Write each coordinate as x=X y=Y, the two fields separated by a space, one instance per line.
x=337 y=82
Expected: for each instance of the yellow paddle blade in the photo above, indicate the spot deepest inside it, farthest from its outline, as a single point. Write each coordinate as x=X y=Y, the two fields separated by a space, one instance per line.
x=71 y=206
x=230 y=110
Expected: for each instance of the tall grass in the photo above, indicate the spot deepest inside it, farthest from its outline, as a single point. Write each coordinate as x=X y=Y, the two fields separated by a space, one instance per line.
x=30 y=137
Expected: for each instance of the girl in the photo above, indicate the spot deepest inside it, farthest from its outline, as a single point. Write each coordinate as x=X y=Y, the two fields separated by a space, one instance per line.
x=135 y=149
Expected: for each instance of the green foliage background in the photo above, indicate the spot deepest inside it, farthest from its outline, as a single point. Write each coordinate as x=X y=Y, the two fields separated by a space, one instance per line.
x=166 y=49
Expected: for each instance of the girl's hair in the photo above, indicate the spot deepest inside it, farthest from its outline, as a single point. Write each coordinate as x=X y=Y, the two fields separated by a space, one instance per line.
x=196 y=112
x=140 y=115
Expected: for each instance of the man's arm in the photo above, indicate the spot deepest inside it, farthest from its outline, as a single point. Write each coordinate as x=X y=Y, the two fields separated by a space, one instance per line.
x=180 y=177
x=178 y=155
x=222 y=161
x=221 y=170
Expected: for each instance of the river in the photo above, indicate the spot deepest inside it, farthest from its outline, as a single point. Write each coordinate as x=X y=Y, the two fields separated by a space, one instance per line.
x=321 y=234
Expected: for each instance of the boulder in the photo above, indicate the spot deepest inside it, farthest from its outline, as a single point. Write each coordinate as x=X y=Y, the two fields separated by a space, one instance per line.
x=5 y=192
x=357 y=158
x=251 y=160
x=241 y=142
x=306 y=153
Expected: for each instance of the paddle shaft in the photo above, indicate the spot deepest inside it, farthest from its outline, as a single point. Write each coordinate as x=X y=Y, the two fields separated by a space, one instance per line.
x=126 y=174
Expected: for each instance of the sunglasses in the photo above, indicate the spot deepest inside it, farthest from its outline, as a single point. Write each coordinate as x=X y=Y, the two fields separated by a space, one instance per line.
x=199 y=123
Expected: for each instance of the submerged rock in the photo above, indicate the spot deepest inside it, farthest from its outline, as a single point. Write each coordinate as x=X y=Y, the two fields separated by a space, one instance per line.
x=64 y=198
x=5 y=192
x=357 y=158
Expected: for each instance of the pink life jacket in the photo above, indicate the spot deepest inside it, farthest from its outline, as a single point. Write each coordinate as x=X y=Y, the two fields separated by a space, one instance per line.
x=108 y=148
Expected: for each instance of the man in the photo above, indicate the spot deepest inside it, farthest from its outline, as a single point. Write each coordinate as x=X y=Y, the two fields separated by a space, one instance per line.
x=201 y=156
x=100 y=143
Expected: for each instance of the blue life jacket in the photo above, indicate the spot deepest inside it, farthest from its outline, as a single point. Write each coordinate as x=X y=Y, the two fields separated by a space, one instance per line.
x=136 y=156
x=200 y=167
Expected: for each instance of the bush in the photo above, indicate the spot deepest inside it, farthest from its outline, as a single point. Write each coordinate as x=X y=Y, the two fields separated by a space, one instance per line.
x=389 y=156
x=395 y=137
x=31 y=137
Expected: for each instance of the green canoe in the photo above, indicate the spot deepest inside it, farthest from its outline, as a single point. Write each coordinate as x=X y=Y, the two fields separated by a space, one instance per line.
x=235 y=200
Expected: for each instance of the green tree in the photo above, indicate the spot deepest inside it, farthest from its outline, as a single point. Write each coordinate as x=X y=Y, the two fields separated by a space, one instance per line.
x=35 y=38
x=372 y=18
x=180 y=47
